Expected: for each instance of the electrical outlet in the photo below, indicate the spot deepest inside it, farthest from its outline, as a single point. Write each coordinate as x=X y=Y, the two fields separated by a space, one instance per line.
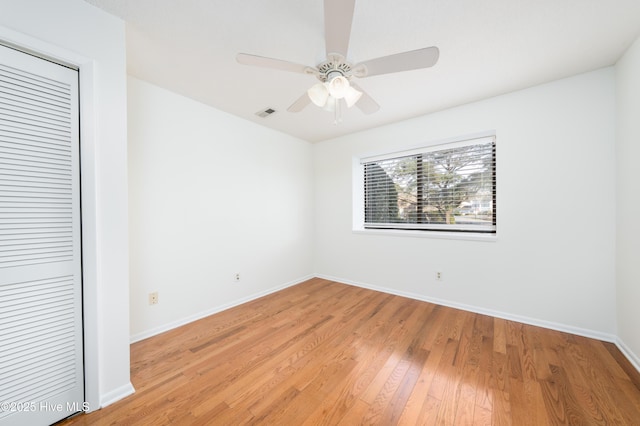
x=237 y=277
x=438 y=276
x=153 y=298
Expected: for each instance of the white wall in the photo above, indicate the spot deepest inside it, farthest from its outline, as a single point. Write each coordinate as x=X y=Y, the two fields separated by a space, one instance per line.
x=211 y=195
x=628 y=201
x=73 y=31
x=554 y=261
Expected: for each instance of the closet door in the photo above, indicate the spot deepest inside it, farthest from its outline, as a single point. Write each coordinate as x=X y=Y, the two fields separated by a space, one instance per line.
x=41 y=353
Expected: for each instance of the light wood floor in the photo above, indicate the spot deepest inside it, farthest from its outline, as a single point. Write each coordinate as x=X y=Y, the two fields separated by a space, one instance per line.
x=327 y=353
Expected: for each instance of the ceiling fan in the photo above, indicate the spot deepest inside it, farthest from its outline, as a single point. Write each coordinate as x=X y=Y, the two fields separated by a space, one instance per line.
x=335 y=74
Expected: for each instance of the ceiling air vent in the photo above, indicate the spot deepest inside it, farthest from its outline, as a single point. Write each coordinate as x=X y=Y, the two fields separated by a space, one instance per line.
x=265 y=113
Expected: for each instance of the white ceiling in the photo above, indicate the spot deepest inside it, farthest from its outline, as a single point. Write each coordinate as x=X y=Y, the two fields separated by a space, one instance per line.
x=487 y=48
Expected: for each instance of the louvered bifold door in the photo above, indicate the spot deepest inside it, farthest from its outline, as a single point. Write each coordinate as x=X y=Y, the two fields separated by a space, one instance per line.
x=41 y=369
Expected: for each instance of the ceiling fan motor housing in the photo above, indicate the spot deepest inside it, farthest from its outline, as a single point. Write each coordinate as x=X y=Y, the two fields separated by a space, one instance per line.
x=334 y=66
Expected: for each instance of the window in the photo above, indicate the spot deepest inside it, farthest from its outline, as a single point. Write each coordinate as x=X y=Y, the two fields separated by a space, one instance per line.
x=447 y=187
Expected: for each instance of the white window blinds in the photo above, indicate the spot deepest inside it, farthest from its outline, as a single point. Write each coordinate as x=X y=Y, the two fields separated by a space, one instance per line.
x=449 y=187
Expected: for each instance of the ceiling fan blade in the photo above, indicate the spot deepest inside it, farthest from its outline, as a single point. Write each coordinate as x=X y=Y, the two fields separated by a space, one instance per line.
x=338 y=15
x=300 y=103
x=406 y=61
x=278 y=64
x=366 y=102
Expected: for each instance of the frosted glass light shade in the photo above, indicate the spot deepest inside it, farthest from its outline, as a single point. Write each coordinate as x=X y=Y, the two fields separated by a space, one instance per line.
x=338 y=87
x=318 y=93
x=352 y=96
x=330 y=105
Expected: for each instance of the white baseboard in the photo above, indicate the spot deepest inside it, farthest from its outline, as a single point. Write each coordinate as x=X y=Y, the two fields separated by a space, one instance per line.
x=511 y=317
x=633 y=358
x=175 y=324
x=116 y=395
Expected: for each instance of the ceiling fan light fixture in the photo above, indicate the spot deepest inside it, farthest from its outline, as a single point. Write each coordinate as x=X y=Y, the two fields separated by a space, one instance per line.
x=352 y=96
x=318 y=93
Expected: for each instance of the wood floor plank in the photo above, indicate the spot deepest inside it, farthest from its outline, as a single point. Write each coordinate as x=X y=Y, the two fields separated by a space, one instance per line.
x=527 y=403
x=444 y=371
x=429 y=411
x=466 y=395
x=450 y=397
x=481 y=417
x=325 y=353
x=415 y=408
x=501 y=411
x=484 y=394
x=500 y=335
x=398 y=404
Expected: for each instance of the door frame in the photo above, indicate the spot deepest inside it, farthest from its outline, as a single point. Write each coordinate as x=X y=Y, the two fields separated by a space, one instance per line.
x=88 y=183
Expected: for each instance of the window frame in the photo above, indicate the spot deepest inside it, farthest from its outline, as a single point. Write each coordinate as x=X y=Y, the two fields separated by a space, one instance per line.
x=410 y=229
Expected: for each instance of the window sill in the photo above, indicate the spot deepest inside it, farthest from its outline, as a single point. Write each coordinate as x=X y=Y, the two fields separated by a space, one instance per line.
x=468 y=236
